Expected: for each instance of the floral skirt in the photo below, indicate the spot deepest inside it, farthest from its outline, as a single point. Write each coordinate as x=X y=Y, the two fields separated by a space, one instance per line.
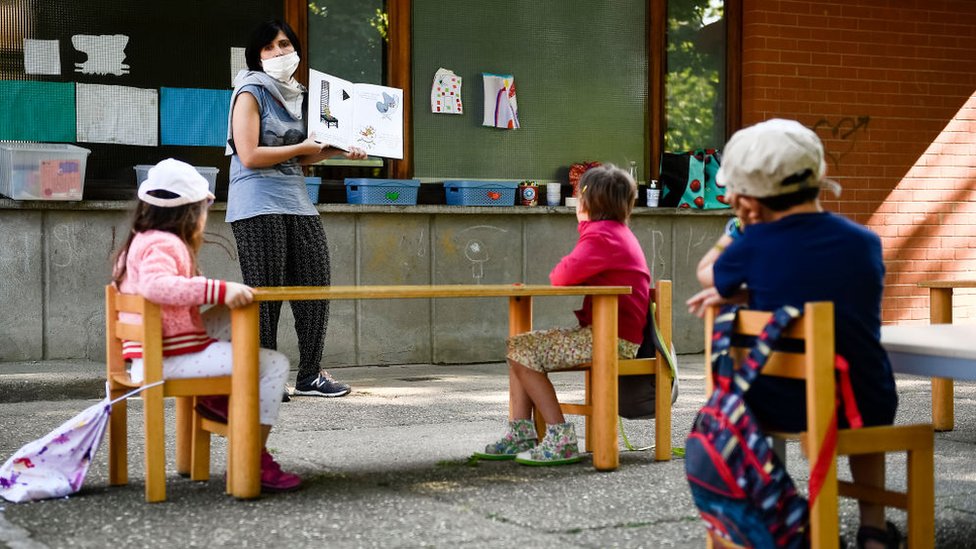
x=559 y=348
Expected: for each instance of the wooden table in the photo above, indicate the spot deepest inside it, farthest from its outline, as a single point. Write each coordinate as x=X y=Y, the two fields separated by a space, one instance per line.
x=244 y=475
x=940 y=312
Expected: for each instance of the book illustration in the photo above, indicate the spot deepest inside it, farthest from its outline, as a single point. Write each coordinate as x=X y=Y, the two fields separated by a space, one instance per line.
x=325 y=113
x=347 y=114
x=387 y=107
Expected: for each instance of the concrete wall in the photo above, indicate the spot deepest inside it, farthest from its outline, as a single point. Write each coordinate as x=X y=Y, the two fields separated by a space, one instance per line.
x=54 y=263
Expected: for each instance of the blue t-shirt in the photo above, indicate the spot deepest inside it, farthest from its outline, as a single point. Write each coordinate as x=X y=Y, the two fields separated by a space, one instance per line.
x=279 y=189
x=816 y=257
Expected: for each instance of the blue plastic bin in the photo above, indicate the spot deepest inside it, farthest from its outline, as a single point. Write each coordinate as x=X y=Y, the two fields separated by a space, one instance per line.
x=382 y=191
x=312 y=185
x=480 y=193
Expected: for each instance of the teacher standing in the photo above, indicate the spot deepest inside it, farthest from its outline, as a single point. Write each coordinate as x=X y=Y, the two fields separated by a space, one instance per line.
x=280 y=237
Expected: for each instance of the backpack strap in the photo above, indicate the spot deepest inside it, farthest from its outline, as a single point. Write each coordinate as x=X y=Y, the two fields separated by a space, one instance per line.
x=845 y=399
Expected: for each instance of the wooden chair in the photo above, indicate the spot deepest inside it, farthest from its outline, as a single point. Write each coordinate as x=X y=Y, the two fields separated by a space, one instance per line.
x=192 y=431
x=815 y=365
x=655 y=365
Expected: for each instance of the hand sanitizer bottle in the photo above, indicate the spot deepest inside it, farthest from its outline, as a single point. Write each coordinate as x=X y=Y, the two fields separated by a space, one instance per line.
x=653 y=194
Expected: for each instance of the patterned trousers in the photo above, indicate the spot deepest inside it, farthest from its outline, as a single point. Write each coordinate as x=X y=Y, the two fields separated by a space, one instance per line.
x=288 y=250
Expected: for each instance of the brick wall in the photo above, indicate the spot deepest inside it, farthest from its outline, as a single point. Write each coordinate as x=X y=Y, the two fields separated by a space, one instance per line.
x=892 y=93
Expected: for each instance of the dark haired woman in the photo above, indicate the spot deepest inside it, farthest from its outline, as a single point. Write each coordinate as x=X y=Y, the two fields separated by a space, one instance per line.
x=280 y=238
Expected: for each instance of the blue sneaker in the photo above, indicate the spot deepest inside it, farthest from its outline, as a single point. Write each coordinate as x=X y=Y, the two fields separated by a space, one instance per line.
x=324 y=386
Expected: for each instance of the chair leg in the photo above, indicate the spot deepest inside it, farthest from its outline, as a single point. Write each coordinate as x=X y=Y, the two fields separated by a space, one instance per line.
x=921 y=498
x=155 y=444
x=824 y=530
x=184 y=434
x=118 y=444
x=200 y=449
x=662 y=411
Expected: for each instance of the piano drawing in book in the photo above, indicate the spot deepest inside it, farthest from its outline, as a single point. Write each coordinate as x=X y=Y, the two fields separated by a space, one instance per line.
x=344 y=114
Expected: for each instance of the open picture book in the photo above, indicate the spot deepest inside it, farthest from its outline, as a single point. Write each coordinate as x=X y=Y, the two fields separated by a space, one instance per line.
x=343 y=115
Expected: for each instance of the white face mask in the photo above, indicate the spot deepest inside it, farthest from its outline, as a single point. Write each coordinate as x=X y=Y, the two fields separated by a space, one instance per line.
x=282 y=67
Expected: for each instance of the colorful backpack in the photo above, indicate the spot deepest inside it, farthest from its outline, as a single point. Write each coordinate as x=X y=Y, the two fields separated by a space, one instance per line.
x=740 y=486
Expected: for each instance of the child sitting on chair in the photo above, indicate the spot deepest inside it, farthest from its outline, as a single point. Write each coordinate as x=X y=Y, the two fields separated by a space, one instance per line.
x=159 y=262
x=791 y=253
x=607 y=254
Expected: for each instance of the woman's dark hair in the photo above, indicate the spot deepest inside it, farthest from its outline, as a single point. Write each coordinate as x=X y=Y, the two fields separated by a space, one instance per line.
x=607 y=193
x=262 y=36
x=183 y=221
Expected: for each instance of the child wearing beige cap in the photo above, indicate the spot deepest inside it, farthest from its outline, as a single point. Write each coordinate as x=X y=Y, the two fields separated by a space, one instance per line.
x=159 y=262
x=792 y=252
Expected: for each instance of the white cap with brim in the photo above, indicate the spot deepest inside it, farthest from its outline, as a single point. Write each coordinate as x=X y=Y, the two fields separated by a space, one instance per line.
x=773 y=158
x=178 y=178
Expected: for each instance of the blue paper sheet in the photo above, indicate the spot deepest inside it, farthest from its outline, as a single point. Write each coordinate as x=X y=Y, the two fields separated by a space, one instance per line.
x=195 y=117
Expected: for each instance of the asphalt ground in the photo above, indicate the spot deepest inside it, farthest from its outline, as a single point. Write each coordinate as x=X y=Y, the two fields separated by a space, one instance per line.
x=388 y=466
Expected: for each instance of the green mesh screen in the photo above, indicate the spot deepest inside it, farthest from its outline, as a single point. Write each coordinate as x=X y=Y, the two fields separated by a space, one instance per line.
x=580 y=73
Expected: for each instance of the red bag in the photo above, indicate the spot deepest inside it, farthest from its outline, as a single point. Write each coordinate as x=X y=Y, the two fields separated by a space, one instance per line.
x=576 y=171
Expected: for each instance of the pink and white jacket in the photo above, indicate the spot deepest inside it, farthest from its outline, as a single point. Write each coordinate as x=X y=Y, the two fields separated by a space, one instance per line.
x=159 y=268
x=608 y=254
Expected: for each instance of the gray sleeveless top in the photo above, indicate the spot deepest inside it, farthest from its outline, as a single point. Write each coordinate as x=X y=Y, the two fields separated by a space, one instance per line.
x=279 y=189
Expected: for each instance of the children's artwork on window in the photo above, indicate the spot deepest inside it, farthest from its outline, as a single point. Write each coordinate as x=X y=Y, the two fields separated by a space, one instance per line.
x=42 y=57
x=238 y=63
x=501 y=109
x=445 y=93
x=117 y=114
x=106 y=53
x=193 y=117
x=33 y=110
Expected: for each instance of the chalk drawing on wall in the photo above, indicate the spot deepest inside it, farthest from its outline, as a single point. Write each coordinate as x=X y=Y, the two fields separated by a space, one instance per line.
x=106 y=53
x=477 y=252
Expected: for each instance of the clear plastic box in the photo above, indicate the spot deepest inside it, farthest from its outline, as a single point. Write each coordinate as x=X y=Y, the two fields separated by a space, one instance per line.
x=42 y=171
x=142 y=172
x=480 y=193
x=382 y=191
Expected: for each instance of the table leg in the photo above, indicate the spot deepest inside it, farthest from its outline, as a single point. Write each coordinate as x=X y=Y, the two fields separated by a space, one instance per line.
x=606 y=454
x=520 y=321
x=244 y=432
x=940 y=312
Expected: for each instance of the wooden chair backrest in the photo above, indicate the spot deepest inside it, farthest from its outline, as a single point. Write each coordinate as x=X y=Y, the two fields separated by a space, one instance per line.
x=815 y=363
x=149 y=332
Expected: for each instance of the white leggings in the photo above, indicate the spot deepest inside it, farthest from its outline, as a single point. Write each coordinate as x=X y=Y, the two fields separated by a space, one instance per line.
x=216 y=360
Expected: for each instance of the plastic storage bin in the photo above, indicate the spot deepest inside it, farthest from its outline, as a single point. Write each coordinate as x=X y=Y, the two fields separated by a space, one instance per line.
x=382 y=191
x=42 y=171
x=480 y=193
x=142 y=172
x=312 y=185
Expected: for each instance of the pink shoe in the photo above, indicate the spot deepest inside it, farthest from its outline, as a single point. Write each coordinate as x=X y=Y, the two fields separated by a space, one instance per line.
x=273 y=479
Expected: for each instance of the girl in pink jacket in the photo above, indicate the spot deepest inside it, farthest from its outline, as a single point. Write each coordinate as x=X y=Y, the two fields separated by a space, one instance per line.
x=607 y=254
x=159 y=262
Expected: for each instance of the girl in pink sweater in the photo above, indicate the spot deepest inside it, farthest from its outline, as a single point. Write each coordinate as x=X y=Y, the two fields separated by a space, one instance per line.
x=607 y=254
x=159 y=262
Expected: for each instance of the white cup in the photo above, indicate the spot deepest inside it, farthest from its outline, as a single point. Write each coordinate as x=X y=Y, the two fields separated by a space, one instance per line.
x=552 y=193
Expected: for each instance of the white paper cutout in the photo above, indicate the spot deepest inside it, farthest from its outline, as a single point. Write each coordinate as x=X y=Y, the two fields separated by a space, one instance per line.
x=42 y=56
x=117 y=114
x=445 y=93
x=238 y=63
x=106 y=53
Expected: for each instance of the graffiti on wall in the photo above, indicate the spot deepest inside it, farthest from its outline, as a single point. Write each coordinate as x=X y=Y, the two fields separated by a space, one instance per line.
x=843 y=134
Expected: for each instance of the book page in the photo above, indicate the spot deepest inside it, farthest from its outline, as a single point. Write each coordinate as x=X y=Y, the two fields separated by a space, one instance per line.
x=330 y=109
x=378 y=123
